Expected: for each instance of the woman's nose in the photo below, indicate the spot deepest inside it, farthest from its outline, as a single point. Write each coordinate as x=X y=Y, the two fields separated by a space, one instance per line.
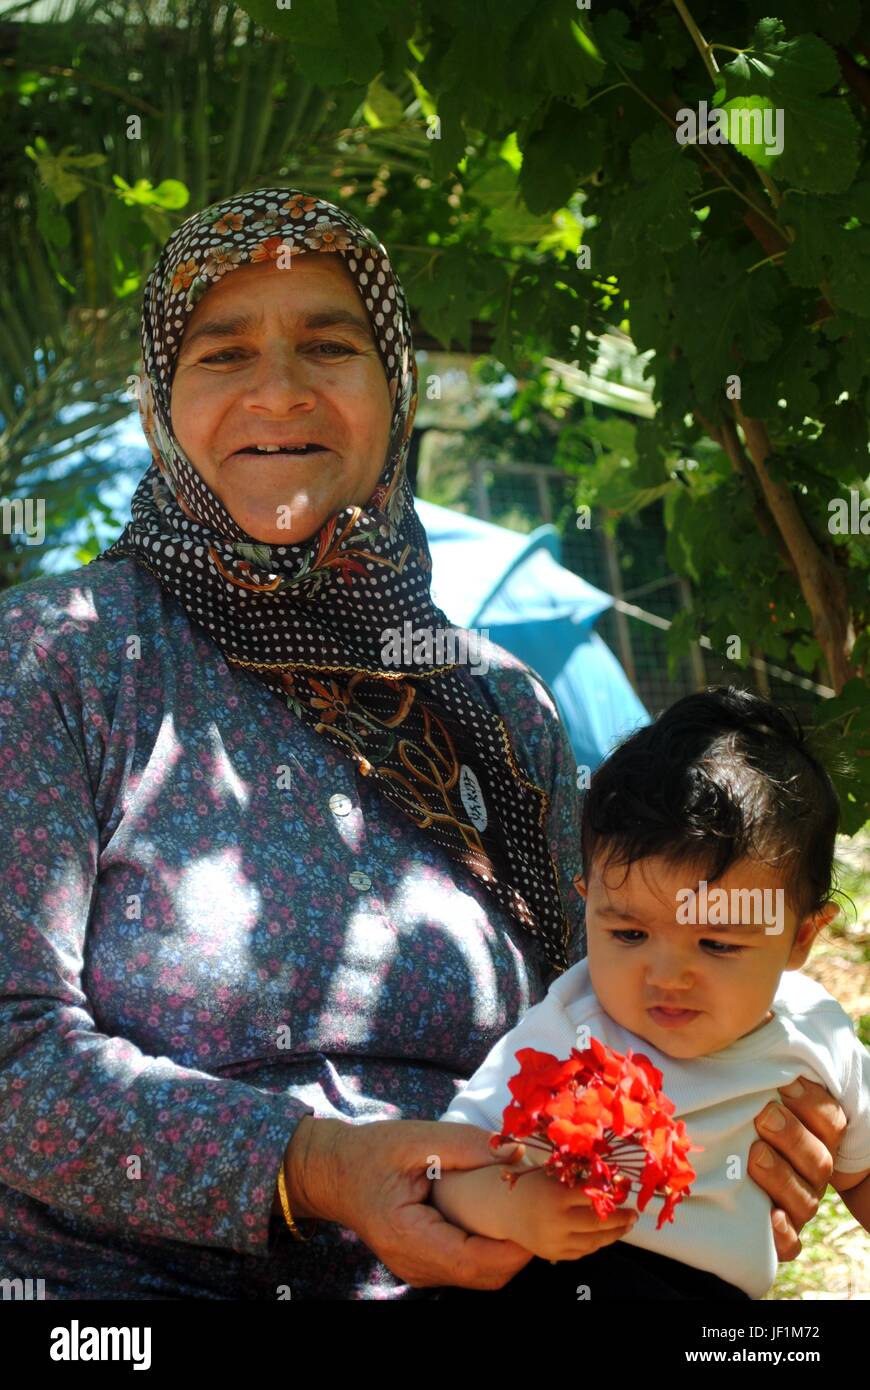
x=281 y=380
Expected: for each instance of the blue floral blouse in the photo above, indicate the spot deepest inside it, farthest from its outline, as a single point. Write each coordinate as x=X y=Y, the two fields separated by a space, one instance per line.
x=210 y=926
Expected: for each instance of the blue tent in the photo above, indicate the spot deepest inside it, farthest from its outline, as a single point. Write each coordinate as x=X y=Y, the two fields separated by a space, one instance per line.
x=485 y=576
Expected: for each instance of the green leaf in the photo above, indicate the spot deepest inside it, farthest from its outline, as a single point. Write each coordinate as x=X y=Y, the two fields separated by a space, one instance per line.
x=609 y=33
x=843 y=445
x=816 y=224
x=157 y=223
x=331 y=41
x=449 y=148
x=57 y=172
x=547 y=182
x=455 y=290
x=514 y=223
x=807 y=655
x=822 y=145
x=549 y=53
x=667 y=177
x=852 y=338
x=825 y=248
x=382 y=107
x=821 y=138
x=835 y=20
x=171 y=194
x=50 y=222
x=564 y=151
x=426 y=100
x=792 y=373
x=780 y=66
x=749 y=135
x=720 y=310
x=842 y=736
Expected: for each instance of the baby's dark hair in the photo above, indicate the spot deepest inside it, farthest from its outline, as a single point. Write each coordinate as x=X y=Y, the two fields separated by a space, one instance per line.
x=718 y=776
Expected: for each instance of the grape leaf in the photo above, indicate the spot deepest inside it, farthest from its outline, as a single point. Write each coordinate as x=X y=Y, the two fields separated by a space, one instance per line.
x=720 y=311
x=565 y=150
x=609 y=33
x=821 y=137
x=666 y=178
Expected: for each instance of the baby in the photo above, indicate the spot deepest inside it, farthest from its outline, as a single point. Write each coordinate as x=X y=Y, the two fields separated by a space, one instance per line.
x=707 y=844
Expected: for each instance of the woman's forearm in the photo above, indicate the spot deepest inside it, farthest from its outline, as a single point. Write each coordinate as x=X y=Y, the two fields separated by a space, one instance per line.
x=312 y=1169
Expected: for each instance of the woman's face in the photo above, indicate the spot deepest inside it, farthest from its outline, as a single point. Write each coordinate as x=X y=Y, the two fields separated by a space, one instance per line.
x=302 y=368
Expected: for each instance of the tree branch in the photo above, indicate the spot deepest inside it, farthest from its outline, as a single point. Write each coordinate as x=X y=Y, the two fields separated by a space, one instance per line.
x=821 y=582
x=725 y=435
x=697 y=39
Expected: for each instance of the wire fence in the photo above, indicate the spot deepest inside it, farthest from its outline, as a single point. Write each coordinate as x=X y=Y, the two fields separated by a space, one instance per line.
x=631 y=567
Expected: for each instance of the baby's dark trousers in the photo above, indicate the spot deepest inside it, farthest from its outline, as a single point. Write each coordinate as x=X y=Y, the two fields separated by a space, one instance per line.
x=618 y=1271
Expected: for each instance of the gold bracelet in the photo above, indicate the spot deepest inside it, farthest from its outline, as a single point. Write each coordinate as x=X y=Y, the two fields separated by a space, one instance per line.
x=285 y=1205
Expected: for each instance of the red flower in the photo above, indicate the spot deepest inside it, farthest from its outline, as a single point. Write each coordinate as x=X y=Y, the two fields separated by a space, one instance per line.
x=606 y=1123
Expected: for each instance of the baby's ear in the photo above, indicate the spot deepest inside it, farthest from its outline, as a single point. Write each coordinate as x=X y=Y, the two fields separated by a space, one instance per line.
x=580 y=885
x=826 y=914
x=816 y=922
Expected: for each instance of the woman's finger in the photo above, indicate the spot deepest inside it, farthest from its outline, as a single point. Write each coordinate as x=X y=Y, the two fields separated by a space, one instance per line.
x=426 y=1251
x=820 y=1114
x=794 y=1161
x=785 y=1238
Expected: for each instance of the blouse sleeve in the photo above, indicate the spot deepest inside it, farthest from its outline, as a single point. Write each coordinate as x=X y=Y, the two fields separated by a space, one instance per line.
x=89 y=1123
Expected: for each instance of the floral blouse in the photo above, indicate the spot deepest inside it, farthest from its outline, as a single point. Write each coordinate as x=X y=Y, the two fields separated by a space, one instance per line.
x=210 y=926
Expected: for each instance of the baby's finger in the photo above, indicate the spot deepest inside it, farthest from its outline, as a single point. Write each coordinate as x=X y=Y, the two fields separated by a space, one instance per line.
x=588 y=1226
x=578 y=1244
x=585 y=1215
x=608 y=1233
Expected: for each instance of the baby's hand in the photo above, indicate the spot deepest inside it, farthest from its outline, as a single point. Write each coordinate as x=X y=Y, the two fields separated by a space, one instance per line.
x=557 y=1222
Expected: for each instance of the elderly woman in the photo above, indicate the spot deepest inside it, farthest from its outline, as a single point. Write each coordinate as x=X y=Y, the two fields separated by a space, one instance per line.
x=261 y=888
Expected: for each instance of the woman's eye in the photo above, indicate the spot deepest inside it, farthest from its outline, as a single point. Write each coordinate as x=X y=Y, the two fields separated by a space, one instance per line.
x=342 y=348
x=216 y=356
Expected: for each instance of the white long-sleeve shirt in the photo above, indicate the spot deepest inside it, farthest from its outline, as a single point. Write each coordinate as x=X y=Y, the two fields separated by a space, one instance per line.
x=724 y=1226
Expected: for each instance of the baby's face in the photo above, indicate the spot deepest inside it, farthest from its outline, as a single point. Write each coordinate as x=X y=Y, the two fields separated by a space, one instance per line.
x=644 y=950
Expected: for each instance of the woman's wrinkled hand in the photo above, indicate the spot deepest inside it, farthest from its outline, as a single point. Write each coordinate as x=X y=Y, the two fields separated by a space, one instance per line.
x=803 y=1149
x=372 y=1179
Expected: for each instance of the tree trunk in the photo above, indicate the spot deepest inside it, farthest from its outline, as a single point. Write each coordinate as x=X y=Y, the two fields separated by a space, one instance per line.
x=819 y=577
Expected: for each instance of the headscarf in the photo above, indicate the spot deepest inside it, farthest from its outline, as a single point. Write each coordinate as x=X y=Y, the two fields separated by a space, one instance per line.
x=309 y=618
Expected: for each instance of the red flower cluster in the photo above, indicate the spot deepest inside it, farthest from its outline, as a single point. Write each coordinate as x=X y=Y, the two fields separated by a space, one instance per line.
x=606 y=1123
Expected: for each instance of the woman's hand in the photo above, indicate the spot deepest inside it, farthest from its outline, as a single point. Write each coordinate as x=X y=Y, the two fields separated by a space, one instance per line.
x=372 y=1179
x=805 y=1147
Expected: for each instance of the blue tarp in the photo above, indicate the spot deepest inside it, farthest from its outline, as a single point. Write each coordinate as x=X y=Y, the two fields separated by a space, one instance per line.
x=485 y=576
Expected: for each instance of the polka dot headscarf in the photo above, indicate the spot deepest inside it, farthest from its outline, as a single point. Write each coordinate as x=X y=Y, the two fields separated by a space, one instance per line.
x=314 y=619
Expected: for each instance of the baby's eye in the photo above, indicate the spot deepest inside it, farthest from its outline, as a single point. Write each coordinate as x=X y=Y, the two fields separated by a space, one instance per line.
x=625 y=931
x=726 y=948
